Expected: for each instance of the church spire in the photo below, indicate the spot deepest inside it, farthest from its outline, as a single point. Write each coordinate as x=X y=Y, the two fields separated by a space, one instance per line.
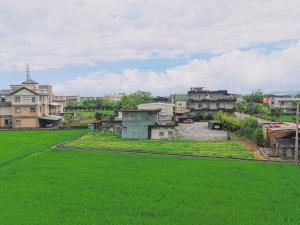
x=28 y=72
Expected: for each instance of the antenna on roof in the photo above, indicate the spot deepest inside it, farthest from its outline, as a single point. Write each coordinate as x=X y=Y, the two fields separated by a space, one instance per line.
x=28 y=72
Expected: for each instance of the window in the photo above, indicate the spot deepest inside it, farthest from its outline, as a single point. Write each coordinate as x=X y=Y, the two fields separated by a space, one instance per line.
x=33 y=109
x=8 y=122
x=18 y=109
x=33 y=99
x=18 y=122
x=125 y=130
x=161 y=134
x=17 y=99
x=218 y=105
x=179 y=104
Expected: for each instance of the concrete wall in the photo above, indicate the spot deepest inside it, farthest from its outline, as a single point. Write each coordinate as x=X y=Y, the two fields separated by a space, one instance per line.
x=162 y=133
x=135 y=124
x=166 y=109
x=139 y=118
x=135 y=132
x=5 y=110
x=180 y=105
x=25 y=122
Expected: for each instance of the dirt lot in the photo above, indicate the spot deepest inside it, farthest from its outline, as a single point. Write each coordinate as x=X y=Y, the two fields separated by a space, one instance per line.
x=199 y=131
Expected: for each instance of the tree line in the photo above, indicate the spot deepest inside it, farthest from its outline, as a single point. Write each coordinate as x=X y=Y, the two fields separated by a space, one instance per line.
x=129 y=101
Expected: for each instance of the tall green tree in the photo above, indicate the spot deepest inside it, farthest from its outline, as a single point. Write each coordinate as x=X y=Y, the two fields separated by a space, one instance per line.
x=256 y=97
x=132 y=100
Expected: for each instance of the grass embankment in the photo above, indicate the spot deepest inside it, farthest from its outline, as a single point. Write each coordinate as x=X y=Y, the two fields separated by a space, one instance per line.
x=86 y=187
x=110 y=141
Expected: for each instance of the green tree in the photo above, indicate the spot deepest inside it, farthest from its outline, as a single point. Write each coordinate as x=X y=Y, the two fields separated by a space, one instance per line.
x=242 y=107
x=256 y=97
x=131 y=101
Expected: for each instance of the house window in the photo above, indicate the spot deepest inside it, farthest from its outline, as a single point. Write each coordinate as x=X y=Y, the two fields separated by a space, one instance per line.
x=18 y=122
x=17 y=99
x=125 y=130
x=33 y=99
x=208 y=105
x=161 y=134
x=218 y=105
x=179 y=104
x=200 y=106
x=8 y=122
x=33 y=109
x=18 y=109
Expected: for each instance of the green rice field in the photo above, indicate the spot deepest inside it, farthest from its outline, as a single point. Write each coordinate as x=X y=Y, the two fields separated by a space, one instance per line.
x=40 y=185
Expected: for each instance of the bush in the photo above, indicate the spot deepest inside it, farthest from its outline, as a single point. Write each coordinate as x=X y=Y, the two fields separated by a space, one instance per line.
x=249 y=127
x=230 y=122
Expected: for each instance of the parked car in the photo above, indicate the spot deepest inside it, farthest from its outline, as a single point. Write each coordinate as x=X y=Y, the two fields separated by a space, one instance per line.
x=188 y=121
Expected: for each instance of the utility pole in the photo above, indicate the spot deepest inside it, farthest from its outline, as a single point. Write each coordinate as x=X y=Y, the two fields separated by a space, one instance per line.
x=297 y=136
x=251 y=104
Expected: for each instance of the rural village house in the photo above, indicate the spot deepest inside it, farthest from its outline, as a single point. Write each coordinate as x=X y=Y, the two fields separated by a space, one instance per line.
x=29 y=105
x=285 y=102
x=200 y=100
x=145 y=124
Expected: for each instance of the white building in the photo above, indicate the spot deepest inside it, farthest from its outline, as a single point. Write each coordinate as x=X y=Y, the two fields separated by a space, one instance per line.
x=166 y=113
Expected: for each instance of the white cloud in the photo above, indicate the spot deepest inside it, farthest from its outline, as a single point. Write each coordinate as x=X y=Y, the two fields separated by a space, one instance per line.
x=55 y=33
x=238 y=71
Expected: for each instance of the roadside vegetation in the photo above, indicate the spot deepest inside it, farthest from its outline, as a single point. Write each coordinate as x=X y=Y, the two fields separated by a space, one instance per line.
x=248 y=127
x=40 y=185
x=110 y=141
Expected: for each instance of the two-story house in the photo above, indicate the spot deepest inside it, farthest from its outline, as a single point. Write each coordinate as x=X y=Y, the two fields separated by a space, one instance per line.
x=29 y=105
x=137 y=123
x=285 y=102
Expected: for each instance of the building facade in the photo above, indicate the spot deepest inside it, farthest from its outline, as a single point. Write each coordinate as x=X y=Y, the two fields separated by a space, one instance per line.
x=73 y=100
x=285 y=102
x=180 y=102
x=200 y=100
x=28 y=105
x=136 y=124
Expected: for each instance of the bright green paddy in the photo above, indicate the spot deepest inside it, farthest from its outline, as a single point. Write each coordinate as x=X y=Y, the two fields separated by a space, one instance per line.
x=43 y=186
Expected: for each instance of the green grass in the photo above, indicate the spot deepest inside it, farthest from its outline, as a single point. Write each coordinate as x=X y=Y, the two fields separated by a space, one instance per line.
x=39 y=185
x=282 y=118
x=109 y=141
x=90 y=115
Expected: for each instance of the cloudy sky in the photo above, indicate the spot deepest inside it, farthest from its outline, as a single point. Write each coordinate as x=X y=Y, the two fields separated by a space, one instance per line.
x=97 y=47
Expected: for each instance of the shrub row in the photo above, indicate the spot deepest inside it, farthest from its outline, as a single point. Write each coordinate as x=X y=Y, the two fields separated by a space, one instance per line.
x=248 y=127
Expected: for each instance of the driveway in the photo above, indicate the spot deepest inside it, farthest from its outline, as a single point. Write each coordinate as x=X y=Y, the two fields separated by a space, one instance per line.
x=199 y=131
